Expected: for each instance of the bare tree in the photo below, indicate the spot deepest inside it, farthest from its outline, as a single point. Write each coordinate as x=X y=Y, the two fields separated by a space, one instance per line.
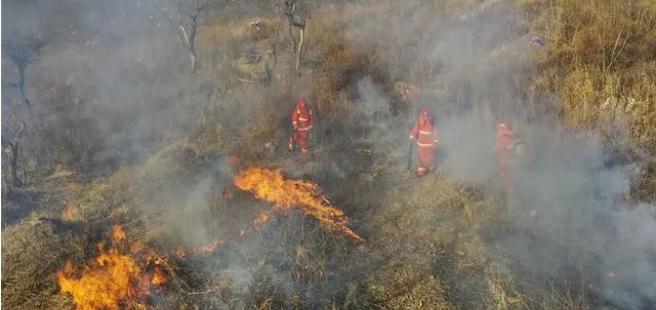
x=11 y=147
x=297 y=20
x=188 y=27
x=23 y=52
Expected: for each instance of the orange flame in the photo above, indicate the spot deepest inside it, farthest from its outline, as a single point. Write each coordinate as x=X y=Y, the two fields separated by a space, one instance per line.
x=118 y=233
x=271 y=186
x=108 y=284
x=113 y=280
x=181 y=253
x=262 y=218
x=159 y=277
x=210 y=247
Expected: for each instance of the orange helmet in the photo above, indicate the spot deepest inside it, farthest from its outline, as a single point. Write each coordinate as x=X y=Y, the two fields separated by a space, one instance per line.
x=424 y=111
x=504 y=129
x=302 y=103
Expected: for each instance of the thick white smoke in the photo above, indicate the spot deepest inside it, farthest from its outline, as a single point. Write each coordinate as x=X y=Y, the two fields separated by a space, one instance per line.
x=568 y=203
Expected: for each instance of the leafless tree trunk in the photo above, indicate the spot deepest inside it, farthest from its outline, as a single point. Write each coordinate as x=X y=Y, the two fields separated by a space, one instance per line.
x=23 y=51
x=299 y=50
x=21 y=85
x=22 y=58
x=12 y=147
x=189 y=36
x=295 y=20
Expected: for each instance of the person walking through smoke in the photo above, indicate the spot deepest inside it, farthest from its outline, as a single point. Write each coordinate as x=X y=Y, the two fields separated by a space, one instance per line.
x=301 y=126
x=505 y=154
x=425 y=134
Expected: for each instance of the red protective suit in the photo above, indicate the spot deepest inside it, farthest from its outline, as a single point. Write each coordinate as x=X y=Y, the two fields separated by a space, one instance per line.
x=505 y=153
x=425 y=133
x=301 y=124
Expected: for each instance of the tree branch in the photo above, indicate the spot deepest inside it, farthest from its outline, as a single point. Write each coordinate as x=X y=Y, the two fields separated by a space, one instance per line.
x=13 y=148
x=190 y=35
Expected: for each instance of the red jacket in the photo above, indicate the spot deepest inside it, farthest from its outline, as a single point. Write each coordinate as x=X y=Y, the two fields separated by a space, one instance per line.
x=504 y=146
x=302 y=116
x=425 y=133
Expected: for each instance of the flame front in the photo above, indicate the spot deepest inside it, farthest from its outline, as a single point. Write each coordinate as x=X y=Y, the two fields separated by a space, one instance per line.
x=207 y=248
x=114 y=280
x=210 y=247
x=159 y=277
x=271 y=186
x=118 y=233
x=107 y=284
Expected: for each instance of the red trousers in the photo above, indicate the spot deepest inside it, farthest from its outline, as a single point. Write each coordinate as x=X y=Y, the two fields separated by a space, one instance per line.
x=426 y=159
x=505 y=172
x=301 y=138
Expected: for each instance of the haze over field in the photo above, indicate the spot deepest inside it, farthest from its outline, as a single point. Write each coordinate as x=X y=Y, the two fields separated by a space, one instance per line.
x=145 y=160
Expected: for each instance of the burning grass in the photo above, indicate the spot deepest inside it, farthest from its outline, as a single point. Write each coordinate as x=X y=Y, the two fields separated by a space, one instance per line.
x=207 y=248
x=423 y=240
x=305 y=196
x=114 y=280
x=111 y=282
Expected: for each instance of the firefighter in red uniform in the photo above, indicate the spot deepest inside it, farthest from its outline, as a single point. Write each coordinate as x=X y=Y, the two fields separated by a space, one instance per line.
x=425 y=133
x=301 y=125
x=505 y=153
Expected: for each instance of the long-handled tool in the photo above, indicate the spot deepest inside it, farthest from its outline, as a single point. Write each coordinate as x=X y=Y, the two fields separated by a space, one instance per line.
x=292 y=139
x=411 y=146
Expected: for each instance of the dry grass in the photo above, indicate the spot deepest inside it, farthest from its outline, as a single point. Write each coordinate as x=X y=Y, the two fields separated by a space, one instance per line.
x=425 y=253
x=78 y=214
x=599 y=58
x=32 y=251
x=252 y=30
x=424 y=246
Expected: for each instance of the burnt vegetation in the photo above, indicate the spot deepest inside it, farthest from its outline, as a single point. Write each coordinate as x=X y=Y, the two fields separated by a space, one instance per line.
x=126 y=124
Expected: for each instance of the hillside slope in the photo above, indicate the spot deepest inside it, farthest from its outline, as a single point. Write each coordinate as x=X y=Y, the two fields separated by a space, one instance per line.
x=142 y=154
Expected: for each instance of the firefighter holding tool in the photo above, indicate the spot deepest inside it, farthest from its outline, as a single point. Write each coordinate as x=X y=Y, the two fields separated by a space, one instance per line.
x=424 y=133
